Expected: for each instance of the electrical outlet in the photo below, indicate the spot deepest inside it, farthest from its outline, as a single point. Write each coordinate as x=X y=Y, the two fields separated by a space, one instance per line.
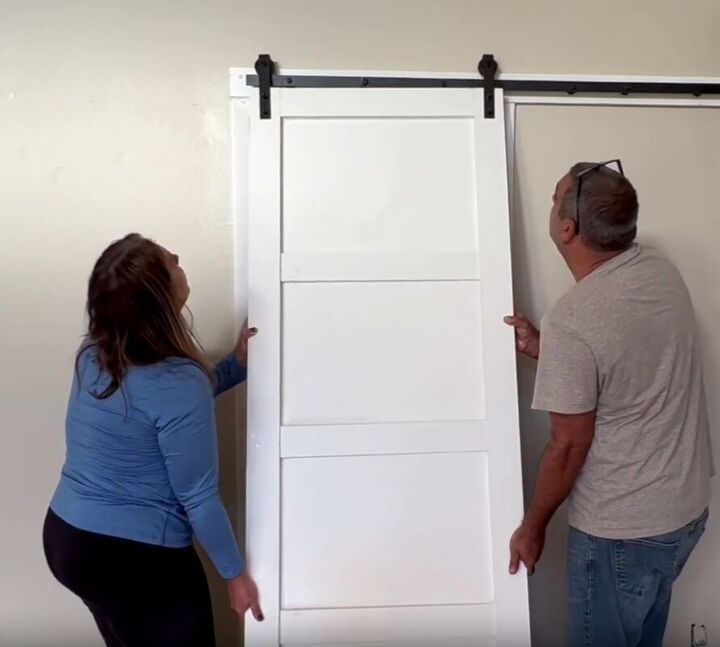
x=698 y=636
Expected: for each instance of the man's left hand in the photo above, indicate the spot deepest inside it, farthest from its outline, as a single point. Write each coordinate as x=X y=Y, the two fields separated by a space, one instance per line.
x=526 y=546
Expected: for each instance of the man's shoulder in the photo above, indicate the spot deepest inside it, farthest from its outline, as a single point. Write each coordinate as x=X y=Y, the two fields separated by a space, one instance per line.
x=616 y=297
x=565 y=312
x=654 y=256
x=640 y=267
x=648 y=270
x=642 y=260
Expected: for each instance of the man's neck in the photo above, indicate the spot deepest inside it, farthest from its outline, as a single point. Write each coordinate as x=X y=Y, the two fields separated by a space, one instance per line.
x=584 y=262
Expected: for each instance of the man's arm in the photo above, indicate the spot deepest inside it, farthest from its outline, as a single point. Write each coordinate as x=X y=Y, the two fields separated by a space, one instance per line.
x=562 y=461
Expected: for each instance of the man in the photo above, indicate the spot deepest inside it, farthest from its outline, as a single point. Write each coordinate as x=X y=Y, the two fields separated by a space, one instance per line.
x=619 y=371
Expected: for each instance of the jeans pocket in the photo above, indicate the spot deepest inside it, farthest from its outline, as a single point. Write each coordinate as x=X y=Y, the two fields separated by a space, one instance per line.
x=694 y=532
x=641 y=563
x=697 y=527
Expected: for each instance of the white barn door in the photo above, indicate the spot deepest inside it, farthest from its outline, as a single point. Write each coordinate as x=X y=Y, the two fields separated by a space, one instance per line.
x=383 y=451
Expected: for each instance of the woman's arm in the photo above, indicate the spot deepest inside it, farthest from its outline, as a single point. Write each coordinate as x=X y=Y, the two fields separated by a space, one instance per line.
x=232 y=370
x=188 y=442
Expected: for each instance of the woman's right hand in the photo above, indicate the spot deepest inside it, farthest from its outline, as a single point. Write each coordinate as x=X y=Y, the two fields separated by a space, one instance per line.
x=243 y=595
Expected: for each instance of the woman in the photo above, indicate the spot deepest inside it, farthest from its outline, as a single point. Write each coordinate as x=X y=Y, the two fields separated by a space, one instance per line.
x=141 y=472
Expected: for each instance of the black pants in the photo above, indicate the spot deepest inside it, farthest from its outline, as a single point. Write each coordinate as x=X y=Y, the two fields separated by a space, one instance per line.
x=139 y=594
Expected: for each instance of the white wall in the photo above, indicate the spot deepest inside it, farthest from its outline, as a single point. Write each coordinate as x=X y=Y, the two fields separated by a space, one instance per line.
x=114 y=116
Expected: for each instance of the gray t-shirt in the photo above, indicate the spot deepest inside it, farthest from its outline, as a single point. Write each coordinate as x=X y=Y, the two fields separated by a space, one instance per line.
x=623 y=342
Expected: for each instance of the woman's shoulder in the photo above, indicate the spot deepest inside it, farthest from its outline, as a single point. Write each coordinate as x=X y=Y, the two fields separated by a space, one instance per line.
x=173 y=373
x=172 y=389
x=181 y=376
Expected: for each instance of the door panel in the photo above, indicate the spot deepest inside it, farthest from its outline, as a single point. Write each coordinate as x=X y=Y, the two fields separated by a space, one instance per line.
x=365 y=531
x=377 y=185
x=348 y=349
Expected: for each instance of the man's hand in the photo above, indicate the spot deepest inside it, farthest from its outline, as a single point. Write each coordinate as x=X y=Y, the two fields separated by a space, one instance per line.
x=241 y=347
x=526 y=335
x=526 y=546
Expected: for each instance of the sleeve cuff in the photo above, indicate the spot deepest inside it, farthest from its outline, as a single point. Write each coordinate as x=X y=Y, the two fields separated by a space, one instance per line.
x=229 y=373
x=231 y=571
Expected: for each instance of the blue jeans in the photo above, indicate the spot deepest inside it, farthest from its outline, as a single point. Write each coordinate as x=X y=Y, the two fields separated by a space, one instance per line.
x=618 y=591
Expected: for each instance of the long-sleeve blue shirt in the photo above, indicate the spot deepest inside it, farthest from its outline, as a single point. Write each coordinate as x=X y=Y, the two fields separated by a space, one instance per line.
x=143 y=463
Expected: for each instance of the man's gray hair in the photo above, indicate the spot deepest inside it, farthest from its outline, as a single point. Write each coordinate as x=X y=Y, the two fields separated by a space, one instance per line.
x=608 y=207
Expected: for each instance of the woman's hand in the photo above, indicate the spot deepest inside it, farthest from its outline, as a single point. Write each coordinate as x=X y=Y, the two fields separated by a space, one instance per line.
x=241 y=347
x=243 y=595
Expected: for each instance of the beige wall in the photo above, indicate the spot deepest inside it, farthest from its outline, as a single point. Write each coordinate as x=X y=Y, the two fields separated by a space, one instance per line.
x=114 y=116
x=672 y=157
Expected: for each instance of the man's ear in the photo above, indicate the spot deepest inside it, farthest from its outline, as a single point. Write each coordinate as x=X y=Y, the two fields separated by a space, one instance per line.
x=568 y=230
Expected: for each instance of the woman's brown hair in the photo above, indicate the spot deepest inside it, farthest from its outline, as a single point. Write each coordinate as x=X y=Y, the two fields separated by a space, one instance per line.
x=134 y=318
